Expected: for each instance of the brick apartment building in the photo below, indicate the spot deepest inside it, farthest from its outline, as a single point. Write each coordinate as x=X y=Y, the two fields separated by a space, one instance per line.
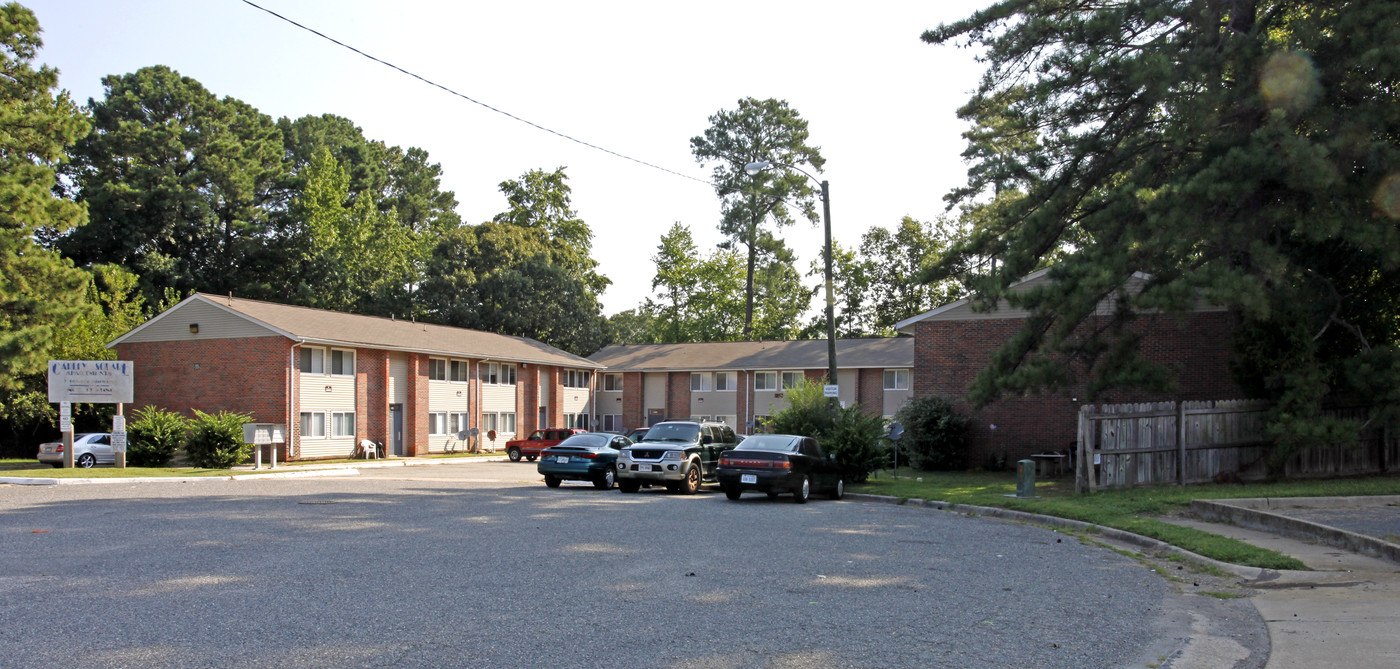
x=336 y=378
x=742 y=383
x=953 y=343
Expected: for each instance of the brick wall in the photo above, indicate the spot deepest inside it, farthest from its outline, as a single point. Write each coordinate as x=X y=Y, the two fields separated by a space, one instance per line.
x=633 y=413
x=527 y=395
x=948 y=354
x=415 y=407
x=678 y=396
x=245 y=375
x=743 y=387
x=870 y=391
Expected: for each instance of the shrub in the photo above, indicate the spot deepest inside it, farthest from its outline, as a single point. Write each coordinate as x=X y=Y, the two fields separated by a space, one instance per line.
x=216 y=440
x=850 y=434
x=154 y=436
x=935 y=434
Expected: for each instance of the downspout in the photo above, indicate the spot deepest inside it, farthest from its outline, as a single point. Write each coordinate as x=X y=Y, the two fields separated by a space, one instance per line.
x=748 y=404
x=292 y=398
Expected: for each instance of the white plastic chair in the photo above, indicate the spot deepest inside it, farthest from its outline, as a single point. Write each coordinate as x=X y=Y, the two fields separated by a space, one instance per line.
x=370 y=449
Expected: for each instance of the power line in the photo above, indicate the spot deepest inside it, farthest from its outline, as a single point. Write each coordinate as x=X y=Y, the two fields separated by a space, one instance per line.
x=472 y=100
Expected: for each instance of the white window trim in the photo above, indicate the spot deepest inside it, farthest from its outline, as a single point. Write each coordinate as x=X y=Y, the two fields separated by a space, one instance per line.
x=314 y=421
x=777 y=380
x=329 y=366
x=908 y=379
x=463 y=420
x=616 y=387
x=705 y=382
x=434 y=424
x=462 y=364
x=336 y=418
x=733 y=382
x=317 y=353
x=431 y=362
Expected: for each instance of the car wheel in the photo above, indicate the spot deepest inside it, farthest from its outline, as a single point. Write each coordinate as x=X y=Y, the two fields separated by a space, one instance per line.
x=839 y=490
x=691 y=484
x=733 y=492
x=514 y=454
x=531 y=458
x=802 y=490
x=86 y=460
x=628 y=486
x=552 y=481
x=606 y=480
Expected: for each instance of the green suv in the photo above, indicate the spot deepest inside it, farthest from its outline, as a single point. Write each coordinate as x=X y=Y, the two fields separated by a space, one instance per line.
x=677 y=454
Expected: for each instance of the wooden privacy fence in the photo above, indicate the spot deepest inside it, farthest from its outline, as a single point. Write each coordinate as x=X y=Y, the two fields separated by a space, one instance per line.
x=1122 y=445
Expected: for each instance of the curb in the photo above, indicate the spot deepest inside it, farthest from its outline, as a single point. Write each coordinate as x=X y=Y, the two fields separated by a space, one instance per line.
x=296 y=471
x=1248 y=573
x=1245 y=513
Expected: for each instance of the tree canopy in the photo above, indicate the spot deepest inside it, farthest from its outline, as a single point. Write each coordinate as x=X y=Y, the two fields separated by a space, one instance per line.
x=1244 y=153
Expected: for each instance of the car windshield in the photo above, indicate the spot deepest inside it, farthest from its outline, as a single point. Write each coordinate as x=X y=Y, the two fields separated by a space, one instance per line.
x=683 y=432
x=770 y=442
x=587 y=440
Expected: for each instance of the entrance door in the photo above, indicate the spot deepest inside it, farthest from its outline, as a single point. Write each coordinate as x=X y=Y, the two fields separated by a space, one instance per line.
x=655 y=416
x=396 y=429
x=544 y=418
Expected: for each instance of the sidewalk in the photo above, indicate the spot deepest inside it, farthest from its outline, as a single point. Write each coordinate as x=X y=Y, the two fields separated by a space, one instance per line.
x=243 y=472
x=1346 y=612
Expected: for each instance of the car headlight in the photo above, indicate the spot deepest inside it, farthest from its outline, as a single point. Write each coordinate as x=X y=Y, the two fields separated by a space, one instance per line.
x=673 y=455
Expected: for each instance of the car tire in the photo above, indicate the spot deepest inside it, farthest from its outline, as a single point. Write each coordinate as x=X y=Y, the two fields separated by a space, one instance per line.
x=86 y=461
x=733 y=492
x=691 y=484
x=628 y=486
x=552 y=481
x=839 y=490
x=605 y=480
x=802 y=490
x=531 y=458
x=513 y=453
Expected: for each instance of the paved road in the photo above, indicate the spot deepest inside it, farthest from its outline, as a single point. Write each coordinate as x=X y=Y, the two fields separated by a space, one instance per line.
x=482 y=565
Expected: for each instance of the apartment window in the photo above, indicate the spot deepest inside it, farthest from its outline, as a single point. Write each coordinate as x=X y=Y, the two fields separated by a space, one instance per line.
x=457 y=422
x=437 y=369
x=765 y=381
x=724 y=381
x=727 y=420
x=792 y=379
x=437 y=422
x=457 y=370
x=699 y=382
x=497 y=373
x=699 y=419
x=612 y=382
x=612 y=422
x=760 y=422
x=896 y=379
x=578 y=420
x=507 y=422
x=489 y=421
x=313 y=424
x=488 y=372
x=577 y=378
x=343 y=363
x=343 y=424
x=312 y=360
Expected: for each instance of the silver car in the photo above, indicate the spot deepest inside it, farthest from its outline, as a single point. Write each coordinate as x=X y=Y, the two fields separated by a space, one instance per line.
x=91 y=448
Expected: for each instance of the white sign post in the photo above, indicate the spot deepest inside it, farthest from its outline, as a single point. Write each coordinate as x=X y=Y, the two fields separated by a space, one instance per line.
x=92 y=381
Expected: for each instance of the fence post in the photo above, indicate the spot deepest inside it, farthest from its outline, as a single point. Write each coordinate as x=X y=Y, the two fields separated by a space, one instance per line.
x=1181 y=442
x=1079 y=457
x=1090 y=436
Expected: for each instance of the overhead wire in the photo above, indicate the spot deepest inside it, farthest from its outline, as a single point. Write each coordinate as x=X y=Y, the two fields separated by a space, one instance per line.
x=473 y=100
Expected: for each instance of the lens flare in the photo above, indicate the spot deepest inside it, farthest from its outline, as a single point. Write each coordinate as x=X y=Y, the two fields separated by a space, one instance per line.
x=1387 y=197
x=1289 y=82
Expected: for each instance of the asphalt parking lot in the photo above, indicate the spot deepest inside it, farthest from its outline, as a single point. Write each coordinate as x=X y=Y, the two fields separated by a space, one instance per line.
x=482 y=565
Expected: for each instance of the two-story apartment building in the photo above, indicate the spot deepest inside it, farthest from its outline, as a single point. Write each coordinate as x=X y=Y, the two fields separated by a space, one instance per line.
x=742 y=383
x=336 y=378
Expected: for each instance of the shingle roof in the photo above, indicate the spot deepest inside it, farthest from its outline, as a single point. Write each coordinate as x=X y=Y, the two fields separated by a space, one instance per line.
x=884 y=352
x=331 y=327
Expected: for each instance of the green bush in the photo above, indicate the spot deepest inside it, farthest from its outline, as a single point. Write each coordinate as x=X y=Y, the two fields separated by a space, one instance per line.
x=850 y=434
x=216 y=440
x=154 y=436
x=935 y=434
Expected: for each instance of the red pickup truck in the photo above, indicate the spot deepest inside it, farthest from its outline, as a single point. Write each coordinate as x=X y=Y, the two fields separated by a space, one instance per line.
x=539 y=440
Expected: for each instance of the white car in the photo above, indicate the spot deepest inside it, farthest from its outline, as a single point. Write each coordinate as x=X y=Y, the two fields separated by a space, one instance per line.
x=92 y=448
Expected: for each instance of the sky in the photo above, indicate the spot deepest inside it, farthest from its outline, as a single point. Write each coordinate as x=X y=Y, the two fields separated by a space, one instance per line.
x=638 y=79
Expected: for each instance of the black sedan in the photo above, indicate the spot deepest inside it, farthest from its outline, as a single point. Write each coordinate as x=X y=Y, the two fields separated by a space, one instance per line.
x=591 y=456
x=780 y=463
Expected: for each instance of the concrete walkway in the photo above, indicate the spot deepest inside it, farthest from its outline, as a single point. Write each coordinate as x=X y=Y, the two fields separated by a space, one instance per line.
x=1345 y=613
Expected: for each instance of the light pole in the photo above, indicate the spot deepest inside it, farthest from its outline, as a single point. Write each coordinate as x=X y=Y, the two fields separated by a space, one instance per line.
x=759 y=166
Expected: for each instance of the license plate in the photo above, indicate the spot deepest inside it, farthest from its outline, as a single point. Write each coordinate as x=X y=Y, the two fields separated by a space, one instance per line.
x=48 y=449
x=562 y=459
x=643 y=468
x=748 y=478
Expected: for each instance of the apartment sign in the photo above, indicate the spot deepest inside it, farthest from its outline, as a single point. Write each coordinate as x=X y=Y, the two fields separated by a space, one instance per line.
x=92 y=381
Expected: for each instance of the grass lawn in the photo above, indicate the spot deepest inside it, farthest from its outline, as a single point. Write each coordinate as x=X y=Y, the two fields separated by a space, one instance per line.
x=1135 y=510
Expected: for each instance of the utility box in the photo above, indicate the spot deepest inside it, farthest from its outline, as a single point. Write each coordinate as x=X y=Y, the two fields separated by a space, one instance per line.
x=1025 y=479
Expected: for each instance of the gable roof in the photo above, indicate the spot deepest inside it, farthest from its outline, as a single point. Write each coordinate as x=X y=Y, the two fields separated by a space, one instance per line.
x=881 y=352
x=319 y=326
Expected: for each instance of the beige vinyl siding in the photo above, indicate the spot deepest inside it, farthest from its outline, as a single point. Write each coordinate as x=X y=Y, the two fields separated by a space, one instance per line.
x=715 y=402
x=894 y=399
x=575 y=400
x=214 y=323
x=499 y=399
x=314 y=397
x=398 y=378
x=654 y=393
x=610 y=402
x=847 y=380
x=449 y=397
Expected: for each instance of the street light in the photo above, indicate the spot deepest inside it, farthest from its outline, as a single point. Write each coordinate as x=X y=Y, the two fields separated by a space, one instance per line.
x=759 y=166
